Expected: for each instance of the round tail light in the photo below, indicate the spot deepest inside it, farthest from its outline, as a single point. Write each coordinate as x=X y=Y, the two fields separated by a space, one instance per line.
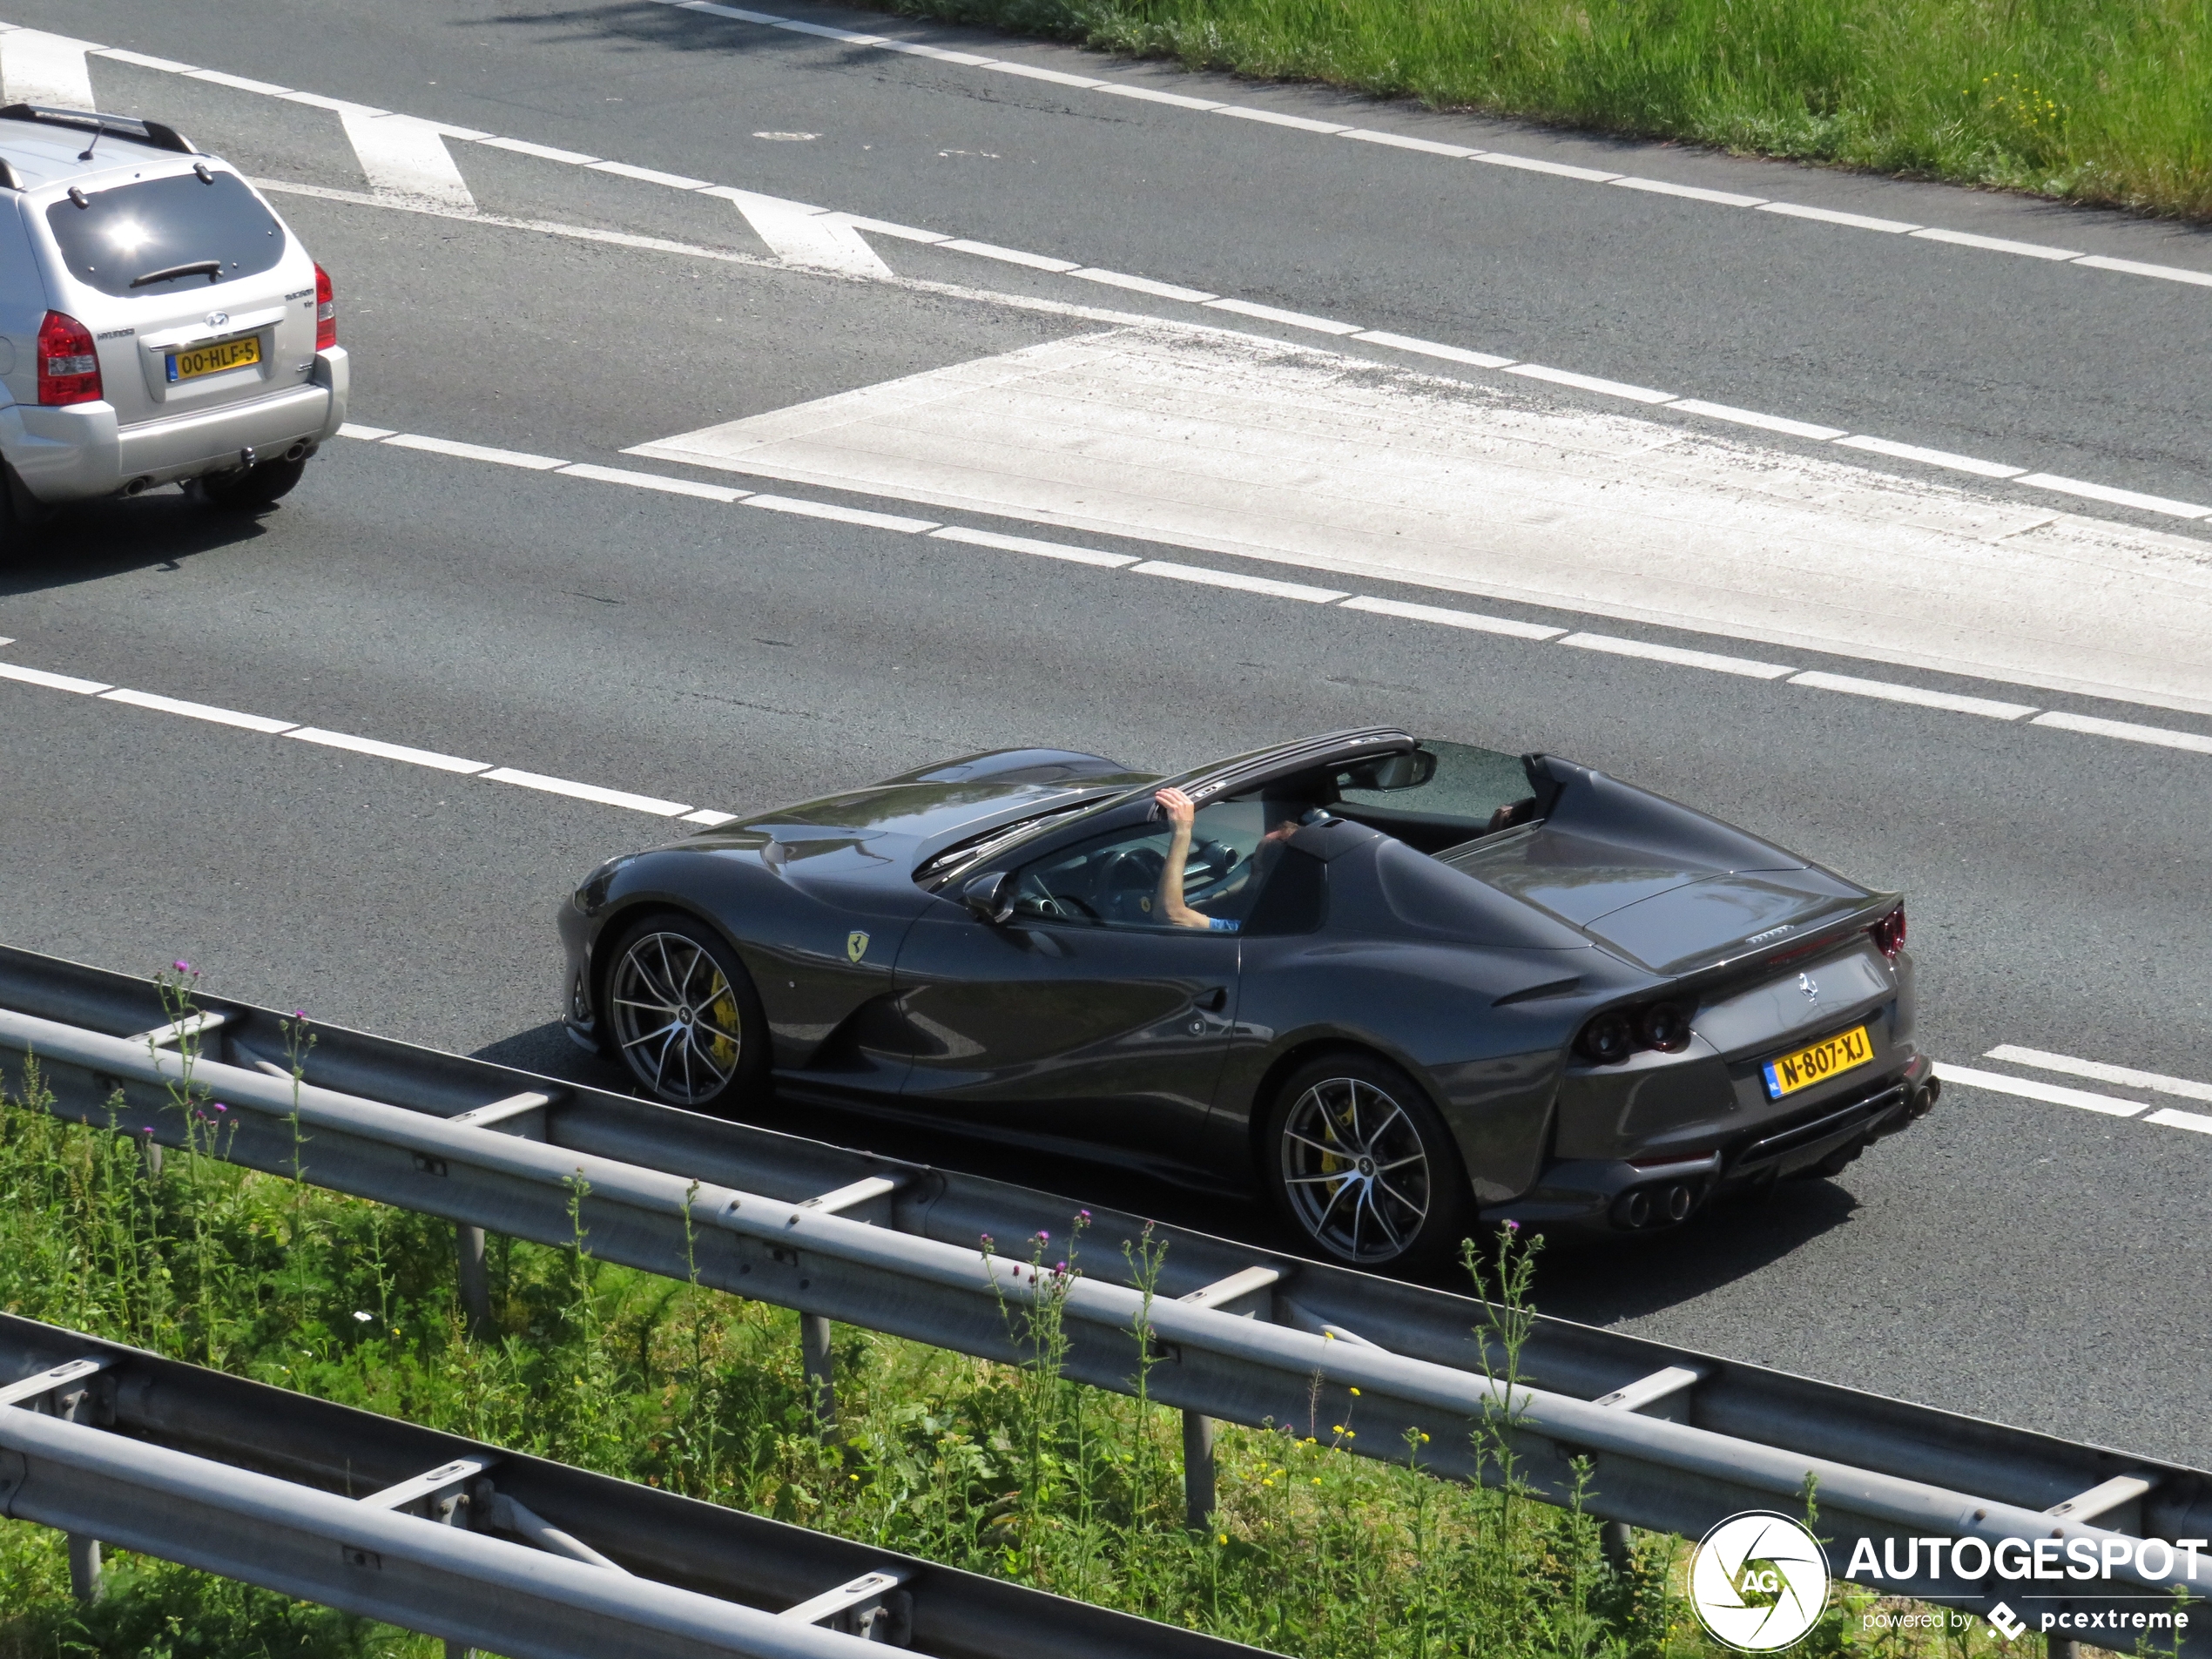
x=1664 y=1025
x=1608 y=1038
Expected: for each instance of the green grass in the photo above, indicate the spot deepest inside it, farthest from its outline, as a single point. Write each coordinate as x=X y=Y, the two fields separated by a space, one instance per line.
x=2100 y=101
x=1009 y=1470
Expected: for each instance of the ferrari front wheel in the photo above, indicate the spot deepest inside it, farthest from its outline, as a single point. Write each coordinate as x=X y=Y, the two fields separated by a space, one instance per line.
x=1359 y=1162
x=685 y=1016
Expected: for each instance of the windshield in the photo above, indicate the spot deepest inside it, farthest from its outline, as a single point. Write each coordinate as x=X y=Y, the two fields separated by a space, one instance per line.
x=1434 y=804
x=161 y=235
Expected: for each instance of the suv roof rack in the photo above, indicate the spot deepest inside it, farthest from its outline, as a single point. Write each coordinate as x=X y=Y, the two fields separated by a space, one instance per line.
x=159 y=134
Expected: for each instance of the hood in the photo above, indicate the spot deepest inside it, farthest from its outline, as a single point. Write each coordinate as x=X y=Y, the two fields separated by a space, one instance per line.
x=900 y=823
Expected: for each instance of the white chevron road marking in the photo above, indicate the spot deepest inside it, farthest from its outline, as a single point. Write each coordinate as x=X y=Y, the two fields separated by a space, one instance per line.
x=803 y=235
x=405 y=156
x=39 y=68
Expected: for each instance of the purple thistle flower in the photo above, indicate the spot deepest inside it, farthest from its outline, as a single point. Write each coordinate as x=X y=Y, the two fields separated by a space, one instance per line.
x=1083 y=1215
x=1513 y=1226
x=987 y=1238
x=182 y=968
x=1043 y=1237
x=220 y=1107
x=1060 y=1267
x=299 y=1014
x=148 y=1130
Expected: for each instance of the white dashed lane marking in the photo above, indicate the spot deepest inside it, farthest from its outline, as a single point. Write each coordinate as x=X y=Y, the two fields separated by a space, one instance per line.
x=410 y=166
x=1439 y=615
x=1461 y=153
x=2082 y=1099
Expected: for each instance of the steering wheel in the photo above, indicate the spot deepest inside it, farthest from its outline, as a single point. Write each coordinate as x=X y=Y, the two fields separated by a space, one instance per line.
x=1129 y=875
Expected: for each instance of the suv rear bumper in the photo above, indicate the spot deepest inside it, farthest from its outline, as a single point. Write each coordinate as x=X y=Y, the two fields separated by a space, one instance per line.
x=80 y=453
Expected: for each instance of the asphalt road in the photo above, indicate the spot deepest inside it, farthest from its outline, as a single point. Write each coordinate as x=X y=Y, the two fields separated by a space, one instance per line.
x=2009 y=1257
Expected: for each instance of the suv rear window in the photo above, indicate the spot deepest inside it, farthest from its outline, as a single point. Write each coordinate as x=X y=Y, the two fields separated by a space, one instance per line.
x=197 y=233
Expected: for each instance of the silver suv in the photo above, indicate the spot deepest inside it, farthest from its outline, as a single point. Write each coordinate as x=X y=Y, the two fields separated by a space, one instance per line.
x=158 y=323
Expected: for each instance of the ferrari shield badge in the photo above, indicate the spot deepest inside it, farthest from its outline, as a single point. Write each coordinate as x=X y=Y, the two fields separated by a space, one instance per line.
x=856 y=946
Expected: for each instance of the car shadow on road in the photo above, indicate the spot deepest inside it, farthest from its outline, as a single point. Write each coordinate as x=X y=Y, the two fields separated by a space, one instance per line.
x=157 y=531
x=1598 y=1281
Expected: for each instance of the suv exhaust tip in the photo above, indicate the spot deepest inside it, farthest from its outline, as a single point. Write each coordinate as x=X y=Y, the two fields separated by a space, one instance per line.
x=138 y=486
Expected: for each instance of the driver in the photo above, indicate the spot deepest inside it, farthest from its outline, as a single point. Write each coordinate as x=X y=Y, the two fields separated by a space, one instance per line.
x=1182 y=811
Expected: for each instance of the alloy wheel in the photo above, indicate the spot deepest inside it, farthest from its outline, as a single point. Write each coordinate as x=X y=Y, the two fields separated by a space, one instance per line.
x=676 y=1018
x=1355 y=1171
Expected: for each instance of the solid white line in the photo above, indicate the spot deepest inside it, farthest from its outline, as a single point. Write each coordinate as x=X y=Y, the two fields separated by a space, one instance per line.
x=1889 y=691
x=2029 y=1089
x=2137 y=267
x=1026 y=545
x=1246 y=113
x=917 y=49
x=166 y=65
x=1592 y=383
x=1430 y=348
x=1009 y=255
x=51 y=682
x=2118 y=497
x=198 y=710
x=710 y=819
x=585 y=791
x=1059 y=78
x=240 y=82
x=652 y=481
x=1236 y=579
x=406 y=157
x=2097 y=1071
x=2127 y=731
x=338 y=105
x=1290 y=318
x=39 y=68
x=1644 y=648
x=474 y=452
x=386 y=750
x=1474 y=620
x=841 y=515
x=1931 y=457
x=828 y=33
x=1999 y=244
x=1560 y=169
x=650 y=175
x=1143 y=285
x=2172 y=1118
x=1660 y=187
x=1830 y=215
x=1150 y=95
x=372 y=434
x=1400 y=141
x=1752 y=418
x=543 y=152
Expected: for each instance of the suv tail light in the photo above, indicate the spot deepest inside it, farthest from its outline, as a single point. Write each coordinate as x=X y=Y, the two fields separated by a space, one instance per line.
x=69 y=364
x=1889 y=931
x=326 y=311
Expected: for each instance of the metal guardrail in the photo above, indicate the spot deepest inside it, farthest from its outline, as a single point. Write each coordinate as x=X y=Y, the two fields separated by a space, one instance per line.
x=1676 y=1440
x=483 y=1547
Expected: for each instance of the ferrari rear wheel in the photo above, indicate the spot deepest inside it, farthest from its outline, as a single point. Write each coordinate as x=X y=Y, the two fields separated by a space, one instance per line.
x=1361 y=1163
x=685 y=1016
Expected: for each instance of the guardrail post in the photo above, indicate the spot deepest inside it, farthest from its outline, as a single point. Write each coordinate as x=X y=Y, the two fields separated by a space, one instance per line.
x=814 y=1356
x=475 y=1287
x=84 y=1568
x=1618 y=1540
x=1198 y=1470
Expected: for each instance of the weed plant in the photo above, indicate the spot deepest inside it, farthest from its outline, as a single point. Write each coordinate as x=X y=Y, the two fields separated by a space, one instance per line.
x=1008 y=1469
x=2105 y=101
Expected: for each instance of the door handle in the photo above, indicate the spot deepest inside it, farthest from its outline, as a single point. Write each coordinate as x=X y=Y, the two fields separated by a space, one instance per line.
x=1213 y=1001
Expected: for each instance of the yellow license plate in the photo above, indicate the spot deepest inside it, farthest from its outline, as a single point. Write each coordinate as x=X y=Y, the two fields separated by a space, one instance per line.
x=242 y=353
x=1830 y=1057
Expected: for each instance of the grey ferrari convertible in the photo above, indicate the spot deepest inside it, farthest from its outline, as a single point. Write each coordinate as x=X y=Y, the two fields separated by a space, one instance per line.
x=1404 y=987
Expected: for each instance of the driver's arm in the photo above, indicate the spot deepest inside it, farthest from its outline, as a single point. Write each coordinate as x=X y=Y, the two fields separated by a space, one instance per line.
x=1180 y=812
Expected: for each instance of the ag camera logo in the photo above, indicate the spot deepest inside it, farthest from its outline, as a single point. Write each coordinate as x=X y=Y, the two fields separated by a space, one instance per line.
x=1759 y=1581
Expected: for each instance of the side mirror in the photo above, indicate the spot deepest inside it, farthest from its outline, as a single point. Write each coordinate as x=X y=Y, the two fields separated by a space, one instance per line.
x=990 y=897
